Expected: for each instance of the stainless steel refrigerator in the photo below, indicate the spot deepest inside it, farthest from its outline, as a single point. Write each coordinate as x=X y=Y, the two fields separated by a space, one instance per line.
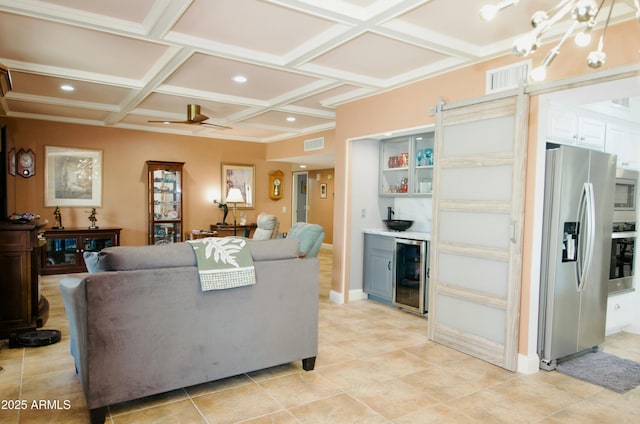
x=576 y=244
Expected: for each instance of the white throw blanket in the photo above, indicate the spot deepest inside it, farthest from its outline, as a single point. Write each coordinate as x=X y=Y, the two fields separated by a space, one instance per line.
x=223 y=263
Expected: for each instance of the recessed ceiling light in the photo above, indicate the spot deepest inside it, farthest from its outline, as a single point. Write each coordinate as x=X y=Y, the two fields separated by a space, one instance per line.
x=303 y=166
x=240 y=79
x=291 y=118
x=67 y=87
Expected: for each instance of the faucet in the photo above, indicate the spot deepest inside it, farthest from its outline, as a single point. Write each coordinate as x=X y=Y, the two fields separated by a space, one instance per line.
x=389 y=213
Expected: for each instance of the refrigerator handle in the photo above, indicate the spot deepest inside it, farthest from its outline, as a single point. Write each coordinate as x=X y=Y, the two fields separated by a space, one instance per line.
x=591 y=228
x=586 y=217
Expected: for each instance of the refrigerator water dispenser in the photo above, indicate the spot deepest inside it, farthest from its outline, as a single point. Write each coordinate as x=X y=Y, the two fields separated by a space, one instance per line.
x=570 y=242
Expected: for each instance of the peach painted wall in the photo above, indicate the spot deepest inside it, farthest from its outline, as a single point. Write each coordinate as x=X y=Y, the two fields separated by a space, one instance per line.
x=408 y=107
x=294 y=147
x=124 y=200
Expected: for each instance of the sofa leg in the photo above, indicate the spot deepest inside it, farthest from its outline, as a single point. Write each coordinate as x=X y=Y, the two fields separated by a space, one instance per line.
x=308 y=364
x=98 y=415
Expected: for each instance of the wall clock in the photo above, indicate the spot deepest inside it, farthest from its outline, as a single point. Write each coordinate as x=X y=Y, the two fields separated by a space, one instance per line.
x=275 y=185
x=26 y=163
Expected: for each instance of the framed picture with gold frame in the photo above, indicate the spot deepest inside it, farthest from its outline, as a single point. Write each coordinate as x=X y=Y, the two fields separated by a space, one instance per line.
x=242 y=177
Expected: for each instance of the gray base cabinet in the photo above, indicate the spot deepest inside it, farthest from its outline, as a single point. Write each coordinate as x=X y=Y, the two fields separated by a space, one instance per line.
x=378 y=267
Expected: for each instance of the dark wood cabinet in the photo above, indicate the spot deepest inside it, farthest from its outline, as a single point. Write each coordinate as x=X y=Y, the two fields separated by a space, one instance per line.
x=64 y=248
x=228 y=230
x=22 y=308
x=165 y=201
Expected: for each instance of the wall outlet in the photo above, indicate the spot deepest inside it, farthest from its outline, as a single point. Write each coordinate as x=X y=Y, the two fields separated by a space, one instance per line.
x=363 y=213
x=284 y=209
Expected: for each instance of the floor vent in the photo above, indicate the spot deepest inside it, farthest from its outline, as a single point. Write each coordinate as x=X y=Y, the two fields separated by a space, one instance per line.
x=314 y=144
x=507 y=77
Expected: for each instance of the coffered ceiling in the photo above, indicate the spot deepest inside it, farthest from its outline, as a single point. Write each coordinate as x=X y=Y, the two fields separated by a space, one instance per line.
x=131 y=61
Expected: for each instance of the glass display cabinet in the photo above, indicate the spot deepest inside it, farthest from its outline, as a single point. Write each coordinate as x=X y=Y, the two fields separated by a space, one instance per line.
x=406 y=165
x=165 y=202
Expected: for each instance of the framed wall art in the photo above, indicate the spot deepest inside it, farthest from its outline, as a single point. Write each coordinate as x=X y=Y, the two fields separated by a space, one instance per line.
x=241 y=177
x=73 y=177
x=323 y=190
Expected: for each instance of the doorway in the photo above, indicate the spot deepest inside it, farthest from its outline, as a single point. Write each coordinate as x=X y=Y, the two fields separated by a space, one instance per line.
x=299 y=199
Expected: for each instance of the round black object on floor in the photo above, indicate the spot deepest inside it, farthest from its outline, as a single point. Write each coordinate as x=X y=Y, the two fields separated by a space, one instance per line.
x=38 y=338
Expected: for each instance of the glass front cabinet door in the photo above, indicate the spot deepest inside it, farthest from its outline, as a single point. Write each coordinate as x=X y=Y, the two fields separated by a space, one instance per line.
x=65 y=247
x=165 y=202
x=406 y=165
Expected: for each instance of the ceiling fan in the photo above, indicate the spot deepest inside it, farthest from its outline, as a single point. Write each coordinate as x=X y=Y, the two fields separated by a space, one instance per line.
x=194 y=117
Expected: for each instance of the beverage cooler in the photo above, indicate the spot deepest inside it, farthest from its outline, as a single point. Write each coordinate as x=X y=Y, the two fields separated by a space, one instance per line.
x=411 y=279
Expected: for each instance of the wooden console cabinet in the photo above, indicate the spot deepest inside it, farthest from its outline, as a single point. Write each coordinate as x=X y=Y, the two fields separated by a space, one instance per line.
x=22 y=308
x=64 y=248
x=228 y=230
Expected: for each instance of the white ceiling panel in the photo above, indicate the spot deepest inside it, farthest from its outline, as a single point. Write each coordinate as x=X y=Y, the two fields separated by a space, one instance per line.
x=53 y=44
x=135 y=11
x=214 y=74
x=248 y=24
x=374 y=56
x=167 y=104
x=28 y=84
x=132 y=61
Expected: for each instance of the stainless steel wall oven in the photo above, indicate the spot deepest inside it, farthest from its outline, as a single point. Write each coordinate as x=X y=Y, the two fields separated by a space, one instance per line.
x=623 y=249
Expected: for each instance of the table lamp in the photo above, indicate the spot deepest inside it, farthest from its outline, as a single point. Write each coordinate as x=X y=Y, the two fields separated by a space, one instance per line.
x=234 y=196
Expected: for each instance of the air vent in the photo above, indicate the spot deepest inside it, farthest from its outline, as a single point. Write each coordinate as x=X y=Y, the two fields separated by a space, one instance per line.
x=621 y=102
x=314 y=144
x=507 y=77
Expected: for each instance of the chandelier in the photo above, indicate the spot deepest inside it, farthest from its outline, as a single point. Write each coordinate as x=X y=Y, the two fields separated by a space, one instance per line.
x=584 y=15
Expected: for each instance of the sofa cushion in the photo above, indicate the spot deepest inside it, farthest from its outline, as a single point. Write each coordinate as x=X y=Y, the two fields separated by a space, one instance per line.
x=129 y=258
x=273 y=249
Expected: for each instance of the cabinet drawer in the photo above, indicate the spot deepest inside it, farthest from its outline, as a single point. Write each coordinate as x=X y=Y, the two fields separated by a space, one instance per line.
x=619 y=311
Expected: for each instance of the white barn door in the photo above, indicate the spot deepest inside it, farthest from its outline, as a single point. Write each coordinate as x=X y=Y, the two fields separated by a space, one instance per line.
x=477 y=229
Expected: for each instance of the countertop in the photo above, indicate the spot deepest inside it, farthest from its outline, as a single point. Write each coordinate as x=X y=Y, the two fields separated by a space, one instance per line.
x=412 y=235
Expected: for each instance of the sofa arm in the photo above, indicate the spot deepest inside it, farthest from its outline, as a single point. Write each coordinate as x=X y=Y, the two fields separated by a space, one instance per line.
x=74 y=297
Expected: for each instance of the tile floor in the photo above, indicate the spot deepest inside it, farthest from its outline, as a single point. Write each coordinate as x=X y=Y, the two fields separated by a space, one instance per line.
x=375 y=365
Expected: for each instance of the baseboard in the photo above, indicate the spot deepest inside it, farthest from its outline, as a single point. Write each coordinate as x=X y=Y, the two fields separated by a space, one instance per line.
x=633 y=329
x=528 y=364
x=357 y=295
x=336 y=297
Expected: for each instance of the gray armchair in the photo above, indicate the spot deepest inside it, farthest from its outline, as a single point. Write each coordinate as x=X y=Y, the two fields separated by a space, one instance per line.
x=267 y=227
x=310 y=237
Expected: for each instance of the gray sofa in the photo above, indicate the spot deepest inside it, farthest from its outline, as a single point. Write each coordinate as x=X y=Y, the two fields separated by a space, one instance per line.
x=140 y=324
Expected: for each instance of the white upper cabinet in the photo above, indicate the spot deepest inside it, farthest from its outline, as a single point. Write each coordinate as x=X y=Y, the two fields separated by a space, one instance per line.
x=406 y=166
x=624 y=141
x=591 y=133
x=567 y=126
